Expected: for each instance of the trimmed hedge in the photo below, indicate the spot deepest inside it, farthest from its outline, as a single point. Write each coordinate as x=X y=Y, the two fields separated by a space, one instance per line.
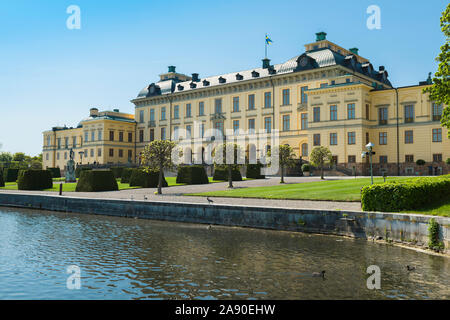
x=254 y=171
x=140 y=178
x=117 y=171
x=192 y=175
x=10 y=175
x=2 y=183
x=56 y=172
x=126 y=175
x=34 y=180
x=221 y=173
x=406 y=195
x=78 y=171
x=96 y=180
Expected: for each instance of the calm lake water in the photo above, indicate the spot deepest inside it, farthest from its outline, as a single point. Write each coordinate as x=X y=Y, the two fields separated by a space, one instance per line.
x=123 y=258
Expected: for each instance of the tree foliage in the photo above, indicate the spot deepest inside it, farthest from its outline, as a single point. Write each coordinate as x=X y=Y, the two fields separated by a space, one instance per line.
x=229 y=155
x=286 y=157
x=440 y=90
x=320 y=156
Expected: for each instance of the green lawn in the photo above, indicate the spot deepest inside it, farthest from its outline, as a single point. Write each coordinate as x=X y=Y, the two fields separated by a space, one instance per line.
x=437 y=209
x=335 y=190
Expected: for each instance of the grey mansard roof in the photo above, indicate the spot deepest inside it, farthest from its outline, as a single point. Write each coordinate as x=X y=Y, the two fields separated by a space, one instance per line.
x=309 y=60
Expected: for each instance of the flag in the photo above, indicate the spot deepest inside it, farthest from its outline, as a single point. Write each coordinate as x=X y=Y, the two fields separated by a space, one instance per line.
x=268 y=40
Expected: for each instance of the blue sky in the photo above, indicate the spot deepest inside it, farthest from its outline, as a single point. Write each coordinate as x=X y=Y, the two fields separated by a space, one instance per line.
x=50 y=75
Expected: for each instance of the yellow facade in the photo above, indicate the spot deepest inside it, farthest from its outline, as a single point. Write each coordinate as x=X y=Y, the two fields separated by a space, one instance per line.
x=106 y=137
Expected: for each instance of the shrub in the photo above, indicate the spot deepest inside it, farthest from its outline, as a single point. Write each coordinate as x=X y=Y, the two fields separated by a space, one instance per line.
x=405 y=195
x=192 y=175
x=117 y=171
x=126 y=174
x=433 y=236
x=420 y=162
x=306 y=167
x=78 y=171
x=253 y=171
x=10 y=175
x=56 y=172
x=96 y=180
x=35 y=180
x=221 y=173
x=140 y=178
x=447 y=161
x=2 y=183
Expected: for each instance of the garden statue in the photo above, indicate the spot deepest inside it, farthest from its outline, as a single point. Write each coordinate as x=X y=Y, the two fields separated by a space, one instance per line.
x=70 y=172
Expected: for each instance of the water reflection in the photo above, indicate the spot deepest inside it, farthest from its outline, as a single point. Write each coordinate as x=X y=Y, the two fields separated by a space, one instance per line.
x=141 y=259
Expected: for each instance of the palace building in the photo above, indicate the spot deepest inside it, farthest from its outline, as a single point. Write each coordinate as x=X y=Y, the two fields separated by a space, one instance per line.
x=326 y=96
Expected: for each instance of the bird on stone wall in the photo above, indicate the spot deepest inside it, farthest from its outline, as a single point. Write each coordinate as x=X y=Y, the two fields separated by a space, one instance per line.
x=410 y=268
x=145 y=197
x=319 y=274
x=210 y=201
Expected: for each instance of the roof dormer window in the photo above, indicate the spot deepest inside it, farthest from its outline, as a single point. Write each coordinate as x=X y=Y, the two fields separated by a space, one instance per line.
x=255 y=74
x=239 y=76
x=222 y=80
x=180 y=87
x=205 y=83
x=193 y=85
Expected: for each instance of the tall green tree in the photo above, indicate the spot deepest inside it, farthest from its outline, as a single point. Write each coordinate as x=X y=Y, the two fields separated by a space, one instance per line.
x=231 y=155
x=440 y=90
x=19 y=156
x=286 y=158
x=157 y=155
x=6 y=157
x=320 y=156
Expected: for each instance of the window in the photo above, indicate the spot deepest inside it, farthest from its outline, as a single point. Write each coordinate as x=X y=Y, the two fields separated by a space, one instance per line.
x=92 y=153
x=347 y=80
x=152 y=115
x=382 y=116
x=316 y=114
x=218 y=106
x=333 y=113
x=86 y=136
x=57 y=156
x=163 y=113
x=188 y=131
x=316 y=139
x=66 y=142
x=304 y=149
x=218 y=125
x=176 y=112
x=351 y=111
x=130 y=154
x=323 y=85
x=268 y=124
x=367 y=138
x=383 y=159
x=111 y=135
x=286 y=97
x=121 y=136
x=188 y=110
x=130 y=136
x=202 y=130
x=251 y=102
x=351 y=159
x=59 y=143
x=286 y=122
x=436 y=110
x=304 y=121
x=141 y=135
x=120 y=153
x=152 y=134
x=251 y=125
x=163 y=133
x=46 y=156
x=333 y=139
x=437 y=135
x=65 y=155
x=267 y=99
x=409 y=158
x=99 y=135
x=236 y=104
x=175 y=132
x=437 y=157
x=409 y=136
x=74 y=142
x=334 y=159
x=351 y=137
x=383 y=138
x=201 y=108
x=99 y=152
x=141 y=116
x=86 y=153
x=236 y=126
x=367 y=112
x=304 y=96
x=48 y=140
x=111 y=152
x=409 y=114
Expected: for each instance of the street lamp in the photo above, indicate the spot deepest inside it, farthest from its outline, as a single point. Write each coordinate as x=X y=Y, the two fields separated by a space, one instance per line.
x=369 y=153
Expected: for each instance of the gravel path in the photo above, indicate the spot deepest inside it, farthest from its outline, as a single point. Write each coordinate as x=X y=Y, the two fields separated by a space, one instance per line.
x=175 y=194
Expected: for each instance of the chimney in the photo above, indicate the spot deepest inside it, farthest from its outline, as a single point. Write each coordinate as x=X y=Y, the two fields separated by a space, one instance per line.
x=266 y=63
x=93 y=112
x=172 y=69
x=354 y=50
x=116 y=110
x=195 y=77
x=381 y=68
x=321 y=36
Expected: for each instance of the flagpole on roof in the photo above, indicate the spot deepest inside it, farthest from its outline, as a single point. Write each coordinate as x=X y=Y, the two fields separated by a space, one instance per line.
x=265 y=44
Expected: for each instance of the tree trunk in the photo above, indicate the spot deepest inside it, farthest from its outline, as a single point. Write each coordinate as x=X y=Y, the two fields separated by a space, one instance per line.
x=321 y=171
x=282 y=174
x=160 y=179
x=230 y=177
